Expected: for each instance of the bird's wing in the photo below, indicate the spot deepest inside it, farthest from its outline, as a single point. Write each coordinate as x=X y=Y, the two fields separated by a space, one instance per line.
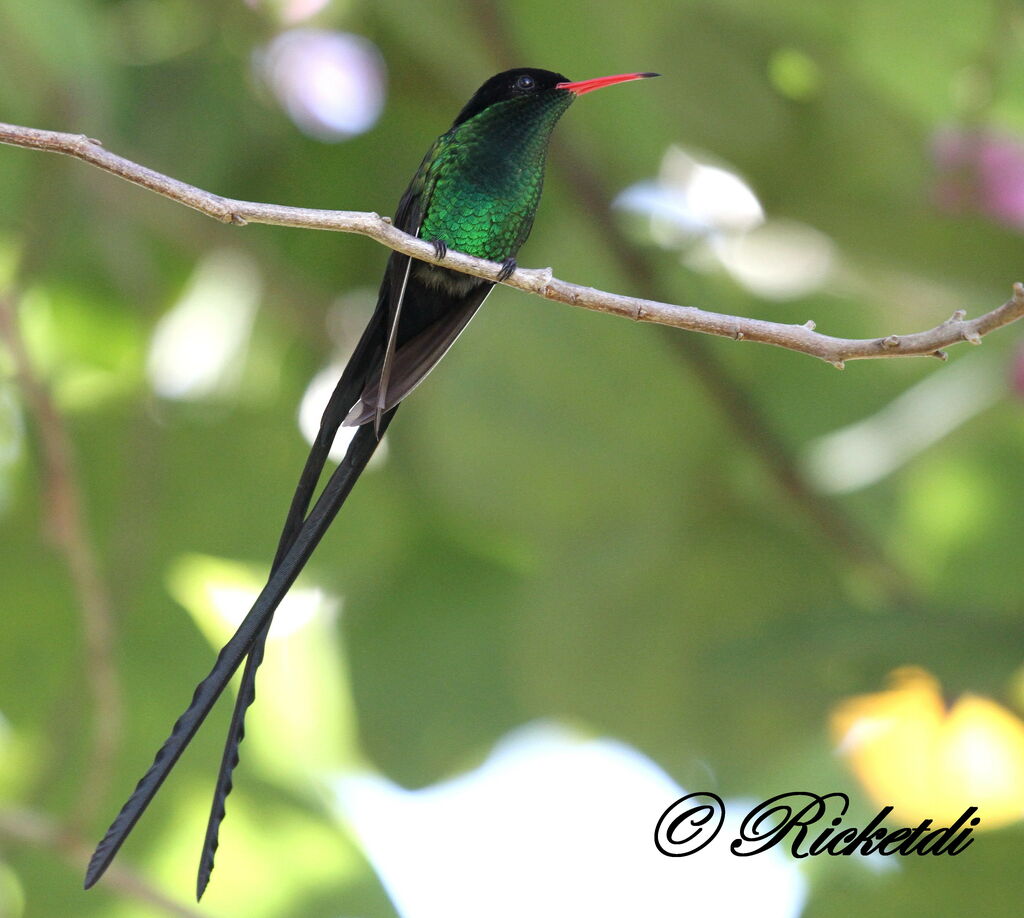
x=423 y=314
x=408 y=217
x=414 y=359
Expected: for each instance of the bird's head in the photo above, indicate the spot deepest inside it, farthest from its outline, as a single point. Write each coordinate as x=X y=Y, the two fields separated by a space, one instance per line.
x=526 y=82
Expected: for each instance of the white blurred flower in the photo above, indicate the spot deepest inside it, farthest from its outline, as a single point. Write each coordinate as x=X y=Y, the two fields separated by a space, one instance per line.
x=311 y=409
x=712 y=215
x=691 y=199
x=865 y=452
x=199 y=346
x=332 y=84
x=552 y=825
x=781 y=259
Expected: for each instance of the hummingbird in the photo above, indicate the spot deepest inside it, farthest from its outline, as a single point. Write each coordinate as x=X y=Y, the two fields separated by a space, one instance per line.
x=476 y=191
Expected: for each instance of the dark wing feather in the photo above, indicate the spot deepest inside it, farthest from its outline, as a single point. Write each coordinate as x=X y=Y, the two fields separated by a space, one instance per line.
x=426 y=308
x=414 y=360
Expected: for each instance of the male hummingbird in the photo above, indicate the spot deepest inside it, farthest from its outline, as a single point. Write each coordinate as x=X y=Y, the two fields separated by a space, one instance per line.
x=476 y=191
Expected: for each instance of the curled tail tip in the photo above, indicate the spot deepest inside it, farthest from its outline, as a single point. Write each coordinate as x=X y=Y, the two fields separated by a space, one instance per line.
x=98 y=864
x=207 y=858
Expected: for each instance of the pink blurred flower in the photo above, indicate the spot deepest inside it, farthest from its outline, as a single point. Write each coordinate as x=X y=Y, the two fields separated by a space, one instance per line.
x=980 y=172
x=1017 y=372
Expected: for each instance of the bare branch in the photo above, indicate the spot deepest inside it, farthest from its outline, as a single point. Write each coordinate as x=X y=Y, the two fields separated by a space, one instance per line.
x=67 y=530
x=28 y=827
x=801 y=338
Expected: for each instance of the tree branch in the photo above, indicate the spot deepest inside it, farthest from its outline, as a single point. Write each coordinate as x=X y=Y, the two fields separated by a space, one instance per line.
x=800 y=338
x=28 y=827
x=67 y=530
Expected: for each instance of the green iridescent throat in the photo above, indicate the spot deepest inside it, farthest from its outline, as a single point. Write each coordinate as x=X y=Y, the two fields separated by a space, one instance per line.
x=483 y=179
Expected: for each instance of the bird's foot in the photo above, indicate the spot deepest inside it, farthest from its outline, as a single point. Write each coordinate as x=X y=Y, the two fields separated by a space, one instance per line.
x=508 y=267
x=440 y=248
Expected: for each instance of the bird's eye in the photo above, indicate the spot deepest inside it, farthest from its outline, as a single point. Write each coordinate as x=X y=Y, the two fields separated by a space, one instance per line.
x=525 y=83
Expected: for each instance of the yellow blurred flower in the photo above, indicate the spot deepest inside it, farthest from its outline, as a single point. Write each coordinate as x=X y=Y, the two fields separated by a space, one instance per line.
x=927 y=761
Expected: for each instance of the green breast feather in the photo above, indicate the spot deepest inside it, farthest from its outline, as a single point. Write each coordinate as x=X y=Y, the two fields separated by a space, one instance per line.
x=484 y=180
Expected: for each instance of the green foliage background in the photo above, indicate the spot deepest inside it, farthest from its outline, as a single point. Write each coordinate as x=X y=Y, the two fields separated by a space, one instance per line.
x=567 y=524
